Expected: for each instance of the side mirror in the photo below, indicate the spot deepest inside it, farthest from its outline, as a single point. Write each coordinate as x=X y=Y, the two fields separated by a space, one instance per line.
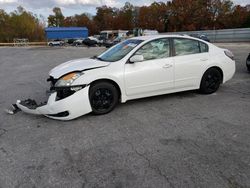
x=136 y=58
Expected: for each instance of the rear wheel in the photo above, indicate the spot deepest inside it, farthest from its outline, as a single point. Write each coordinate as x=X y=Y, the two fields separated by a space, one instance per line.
x=103 y=97
x=211 y=81
x=248 y=68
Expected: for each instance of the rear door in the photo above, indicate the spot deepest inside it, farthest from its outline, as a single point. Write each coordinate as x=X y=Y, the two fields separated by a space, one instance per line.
x=191 y=58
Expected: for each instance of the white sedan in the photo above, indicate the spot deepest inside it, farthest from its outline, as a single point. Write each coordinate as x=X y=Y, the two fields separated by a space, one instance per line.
x=136 y=68
x=55 y=43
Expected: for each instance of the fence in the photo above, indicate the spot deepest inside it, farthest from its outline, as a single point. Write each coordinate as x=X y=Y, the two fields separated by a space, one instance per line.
x=222 y=35
x=21 y=42
x=28 y=44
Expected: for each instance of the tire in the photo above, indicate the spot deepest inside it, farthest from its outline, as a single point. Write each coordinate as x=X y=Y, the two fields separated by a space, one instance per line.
x=50 y=44
x=211 y=81
x=248 y=68
x=103 y=97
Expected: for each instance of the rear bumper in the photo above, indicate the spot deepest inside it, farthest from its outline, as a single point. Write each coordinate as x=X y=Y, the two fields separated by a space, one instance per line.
x=69 y=108
x=229 y=70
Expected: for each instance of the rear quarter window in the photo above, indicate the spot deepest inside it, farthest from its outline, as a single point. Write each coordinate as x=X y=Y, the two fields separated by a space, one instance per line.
x=203 y=47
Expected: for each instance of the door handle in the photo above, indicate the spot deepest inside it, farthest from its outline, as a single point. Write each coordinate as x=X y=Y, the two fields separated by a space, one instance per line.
x=204 y=59
x=167 y=66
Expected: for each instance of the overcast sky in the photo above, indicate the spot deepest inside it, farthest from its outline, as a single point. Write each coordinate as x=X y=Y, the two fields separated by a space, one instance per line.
x=71 y=7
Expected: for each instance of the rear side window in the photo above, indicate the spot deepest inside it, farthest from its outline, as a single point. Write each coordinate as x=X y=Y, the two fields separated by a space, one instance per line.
x=188 y=46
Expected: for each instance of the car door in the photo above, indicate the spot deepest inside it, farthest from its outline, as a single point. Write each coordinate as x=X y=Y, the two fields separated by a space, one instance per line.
x=191 y=58
x=155 y=73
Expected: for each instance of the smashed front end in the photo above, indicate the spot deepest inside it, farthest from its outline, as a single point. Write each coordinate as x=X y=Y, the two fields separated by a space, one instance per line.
x=65 y=101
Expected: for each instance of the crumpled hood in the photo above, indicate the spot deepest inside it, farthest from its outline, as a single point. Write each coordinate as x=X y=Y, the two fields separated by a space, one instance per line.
x=76 y=65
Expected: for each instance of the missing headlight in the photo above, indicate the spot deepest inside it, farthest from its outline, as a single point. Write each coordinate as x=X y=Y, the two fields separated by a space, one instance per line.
x=64 y=92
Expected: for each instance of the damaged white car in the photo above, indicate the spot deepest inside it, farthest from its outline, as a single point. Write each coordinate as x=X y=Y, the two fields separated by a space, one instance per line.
x=135 y=68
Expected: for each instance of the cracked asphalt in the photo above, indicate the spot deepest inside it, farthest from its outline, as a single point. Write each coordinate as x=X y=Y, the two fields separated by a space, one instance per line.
x=177 y=140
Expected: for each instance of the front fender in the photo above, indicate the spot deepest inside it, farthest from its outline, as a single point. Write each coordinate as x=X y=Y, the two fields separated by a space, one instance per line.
x=90 y=77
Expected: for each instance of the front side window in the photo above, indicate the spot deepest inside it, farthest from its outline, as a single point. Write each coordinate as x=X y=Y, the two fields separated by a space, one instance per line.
x=119 y=51
x=155 y=49
x=186 y=46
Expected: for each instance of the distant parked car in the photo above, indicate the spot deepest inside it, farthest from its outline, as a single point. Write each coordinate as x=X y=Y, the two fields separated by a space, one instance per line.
x=56 y=43
x=248 y=62
x=78 y=42
x=91 y=41
x=201 y=36
x=148 y=32
x=88 y=42
x=204 y=37
x=110 y=43
x=70 y=41
x=95 y=39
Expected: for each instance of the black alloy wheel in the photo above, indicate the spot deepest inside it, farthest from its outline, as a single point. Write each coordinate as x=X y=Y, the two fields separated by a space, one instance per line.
x=211 y=81
x=103 y=97
x=248 y=63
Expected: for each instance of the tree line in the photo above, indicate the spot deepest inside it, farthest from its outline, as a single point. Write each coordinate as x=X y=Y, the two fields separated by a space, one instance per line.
x=20 y=24
x=175 y=15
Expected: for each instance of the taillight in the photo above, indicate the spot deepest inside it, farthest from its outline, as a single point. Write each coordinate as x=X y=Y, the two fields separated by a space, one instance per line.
x=229 y=54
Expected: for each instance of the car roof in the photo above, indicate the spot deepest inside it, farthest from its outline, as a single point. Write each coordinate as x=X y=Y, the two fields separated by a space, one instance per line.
x=151 y=37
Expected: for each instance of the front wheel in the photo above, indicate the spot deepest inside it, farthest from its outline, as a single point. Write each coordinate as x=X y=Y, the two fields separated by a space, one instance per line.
x=211 y=81
x=103 y=97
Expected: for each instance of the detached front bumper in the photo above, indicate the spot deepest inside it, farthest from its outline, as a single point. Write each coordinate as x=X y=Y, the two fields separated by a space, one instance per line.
x=68 y=108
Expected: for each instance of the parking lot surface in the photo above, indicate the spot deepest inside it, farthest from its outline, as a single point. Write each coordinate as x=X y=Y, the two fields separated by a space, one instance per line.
x=177 y=140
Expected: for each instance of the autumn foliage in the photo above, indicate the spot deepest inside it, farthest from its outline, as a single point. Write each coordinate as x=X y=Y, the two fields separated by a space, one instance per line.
x=20 y=24
x=175 y=15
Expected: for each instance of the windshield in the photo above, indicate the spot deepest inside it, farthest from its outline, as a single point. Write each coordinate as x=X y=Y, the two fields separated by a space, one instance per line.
x=120 y=50
x=103 y=36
